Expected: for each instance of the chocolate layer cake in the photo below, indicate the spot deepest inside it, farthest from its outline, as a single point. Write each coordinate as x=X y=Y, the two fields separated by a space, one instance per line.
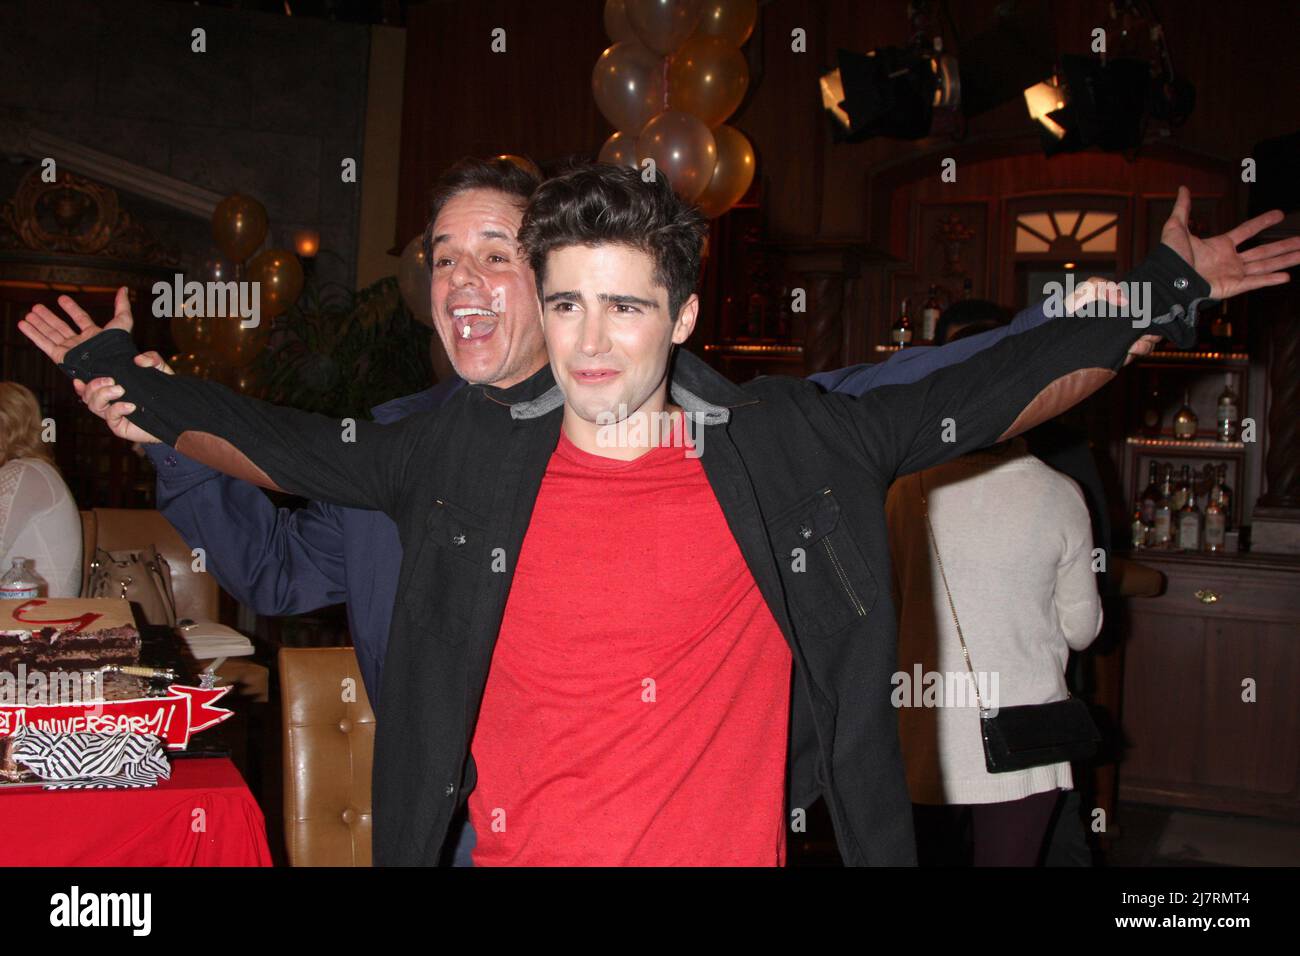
x=67 y=634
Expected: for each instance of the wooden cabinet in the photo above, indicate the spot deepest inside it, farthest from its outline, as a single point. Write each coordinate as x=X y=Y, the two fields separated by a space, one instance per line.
x=1210 y=714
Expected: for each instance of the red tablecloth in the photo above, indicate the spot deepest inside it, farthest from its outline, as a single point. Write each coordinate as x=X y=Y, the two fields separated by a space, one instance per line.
x=158 y=826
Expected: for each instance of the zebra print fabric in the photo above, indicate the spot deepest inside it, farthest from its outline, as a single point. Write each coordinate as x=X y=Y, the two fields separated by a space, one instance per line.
x=91 y=761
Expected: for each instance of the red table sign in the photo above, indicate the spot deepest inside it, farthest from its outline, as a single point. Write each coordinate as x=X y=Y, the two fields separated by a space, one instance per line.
x=183 y=712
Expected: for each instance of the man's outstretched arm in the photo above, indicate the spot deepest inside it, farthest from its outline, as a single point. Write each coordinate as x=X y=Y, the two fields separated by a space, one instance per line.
x=914 y=364
x=1035 y=374
x=356 y=463
x=278 y=561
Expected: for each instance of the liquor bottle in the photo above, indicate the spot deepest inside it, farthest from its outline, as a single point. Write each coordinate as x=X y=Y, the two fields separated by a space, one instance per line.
x=1206 y=483
x=1225 y=494
x=1183 y=490
x=1150 y=496
x=930 y=314
x=1185 y=421
x=21 y=582
x=1151 y=410
x=756 y=316
x=1227 y=414
x=1221 y=327
x=1137 y=528
x=730 y=318
x=1189 y=526
x=1160 y=533
x=1216 y=520
x=900 y=333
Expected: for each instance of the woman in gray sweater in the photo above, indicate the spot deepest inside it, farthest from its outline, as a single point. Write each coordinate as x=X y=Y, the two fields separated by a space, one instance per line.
x=1016 y=542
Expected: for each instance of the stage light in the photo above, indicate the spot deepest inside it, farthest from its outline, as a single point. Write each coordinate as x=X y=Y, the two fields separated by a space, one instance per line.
x=888 y=92
x=833 y=95
x=1043 y=99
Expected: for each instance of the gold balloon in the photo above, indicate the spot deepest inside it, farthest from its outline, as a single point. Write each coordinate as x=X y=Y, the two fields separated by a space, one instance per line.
x=729 y=20
x=523 y=162
x=237 y=346
x=707 y=78
x=195 y=334
x=238 y=226
x=619 y=150
x=663 y=25
x=414 y=281
x=732 y=173
x=616 y=25
x=628 y=84
x=280 y=275
x=195 y=366
x=682 y=149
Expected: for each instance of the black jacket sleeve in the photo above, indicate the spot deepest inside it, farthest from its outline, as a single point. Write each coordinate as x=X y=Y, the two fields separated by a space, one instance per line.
x=1025 y=379
x=359 y=463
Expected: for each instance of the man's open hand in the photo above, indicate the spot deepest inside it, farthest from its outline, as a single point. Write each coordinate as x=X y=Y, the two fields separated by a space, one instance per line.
x=1228 y=271
x=52 y=336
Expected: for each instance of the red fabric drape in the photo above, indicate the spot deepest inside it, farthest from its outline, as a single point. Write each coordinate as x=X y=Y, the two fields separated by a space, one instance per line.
x=158 y=826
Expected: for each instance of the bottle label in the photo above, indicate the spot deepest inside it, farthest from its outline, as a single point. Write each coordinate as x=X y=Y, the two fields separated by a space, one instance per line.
x=1227 y=413
x=929 y=322
x=1188 y=533
x=24 y=592
x=902 y=336
x=1162 y=527
x=1215 y=526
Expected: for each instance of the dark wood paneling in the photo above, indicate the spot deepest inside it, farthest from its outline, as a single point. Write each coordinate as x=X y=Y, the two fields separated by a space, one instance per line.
x=1194 y=741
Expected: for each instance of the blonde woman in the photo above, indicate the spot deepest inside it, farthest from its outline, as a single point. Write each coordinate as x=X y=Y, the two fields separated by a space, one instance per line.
x=38 y=518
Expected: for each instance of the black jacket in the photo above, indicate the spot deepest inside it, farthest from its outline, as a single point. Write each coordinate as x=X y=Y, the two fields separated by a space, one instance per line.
x=792 y=468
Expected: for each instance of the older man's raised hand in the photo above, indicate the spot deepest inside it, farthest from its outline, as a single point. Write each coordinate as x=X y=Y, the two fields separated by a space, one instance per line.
x=55 y=338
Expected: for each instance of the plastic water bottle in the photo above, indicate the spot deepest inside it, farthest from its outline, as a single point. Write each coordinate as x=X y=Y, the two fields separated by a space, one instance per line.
x=21 y=583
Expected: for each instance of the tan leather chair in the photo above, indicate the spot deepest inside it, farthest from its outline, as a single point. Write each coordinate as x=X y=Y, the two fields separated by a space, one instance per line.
x=127 y=529
x=329 y=744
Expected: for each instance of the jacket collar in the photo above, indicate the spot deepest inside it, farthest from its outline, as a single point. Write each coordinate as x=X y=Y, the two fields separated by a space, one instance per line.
x=693 y=384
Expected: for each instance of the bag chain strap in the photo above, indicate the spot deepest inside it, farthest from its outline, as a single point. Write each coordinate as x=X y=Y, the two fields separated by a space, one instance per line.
x=965 y=651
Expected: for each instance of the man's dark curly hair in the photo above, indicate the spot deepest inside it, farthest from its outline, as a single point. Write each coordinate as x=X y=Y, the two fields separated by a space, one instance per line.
x=597 y=204
x=500 y=175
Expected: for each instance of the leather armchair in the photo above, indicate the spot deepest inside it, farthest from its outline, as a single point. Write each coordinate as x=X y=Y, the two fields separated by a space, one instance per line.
x=329 y=742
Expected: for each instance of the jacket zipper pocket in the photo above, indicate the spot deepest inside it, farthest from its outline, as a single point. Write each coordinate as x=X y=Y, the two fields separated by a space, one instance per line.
x=844 y=578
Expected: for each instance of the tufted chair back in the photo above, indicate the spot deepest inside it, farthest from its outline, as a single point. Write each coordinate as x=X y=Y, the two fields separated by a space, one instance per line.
x=329 y=742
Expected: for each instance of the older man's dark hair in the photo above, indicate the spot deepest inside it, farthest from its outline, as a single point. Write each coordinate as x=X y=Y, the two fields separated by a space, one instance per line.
x=598 y=204
x=500 y=175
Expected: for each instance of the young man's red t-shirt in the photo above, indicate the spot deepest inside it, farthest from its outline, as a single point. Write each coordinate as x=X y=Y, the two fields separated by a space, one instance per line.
x=636 y=710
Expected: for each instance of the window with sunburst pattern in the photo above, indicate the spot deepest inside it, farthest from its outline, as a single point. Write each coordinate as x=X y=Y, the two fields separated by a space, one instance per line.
x=1067 y=231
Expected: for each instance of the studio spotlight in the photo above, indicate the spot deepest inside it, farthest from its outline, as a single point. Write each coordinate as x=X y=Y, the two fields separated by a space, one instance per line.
x=1043 y=99
x=888 y=92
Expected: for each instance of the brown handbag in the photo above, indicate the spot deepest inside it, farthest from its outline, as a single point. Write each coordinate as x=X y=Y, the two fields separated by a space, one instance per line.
x=141 y=577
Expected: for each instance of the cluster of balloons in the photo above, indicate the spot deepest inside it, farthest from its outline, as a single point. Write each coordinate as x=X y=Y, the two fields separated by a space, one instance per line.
x=672 y=77
x=218 y=346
